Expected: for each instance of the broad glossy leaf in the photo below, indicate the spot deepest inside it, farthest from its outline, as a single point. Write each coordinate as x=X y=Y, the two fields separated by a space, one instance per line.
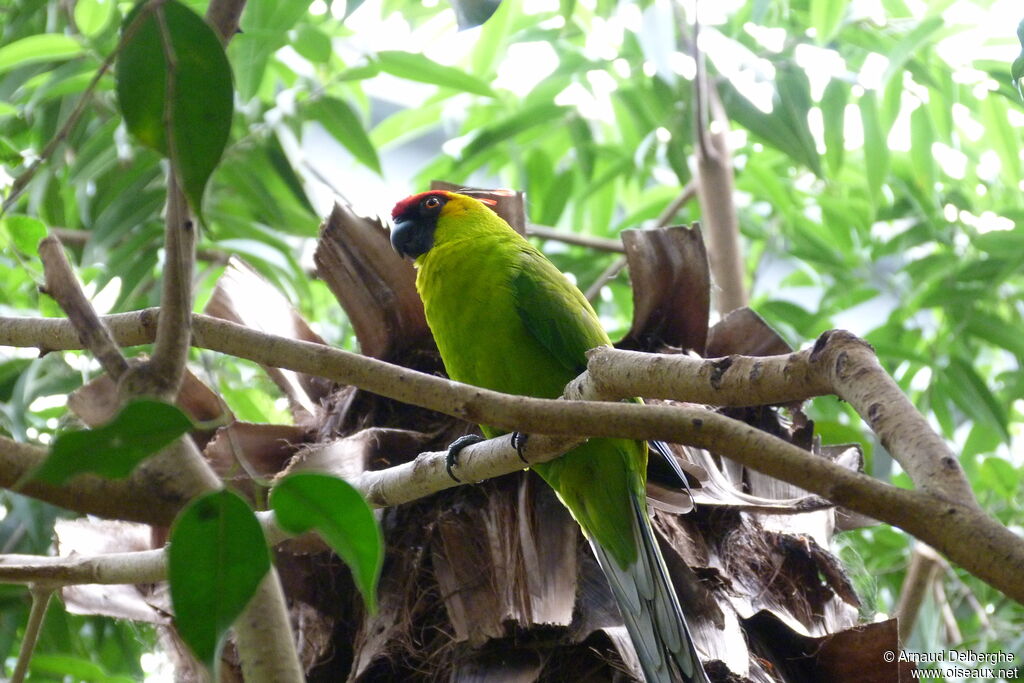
x=45 y=47
x=330 y=505
x=215 y=561
x=141 y=429
x=197 y=116
x=416 y=67
x=341 y=122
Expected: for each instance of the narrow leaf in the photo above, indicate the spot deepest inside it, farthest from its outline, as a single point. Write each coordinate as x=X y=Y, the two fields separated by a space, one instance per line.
x=416 y=67
x=141 y=429
x=826 y=16
x=215 y=561
x=45 y=47
x=833 y=114
x=876 y=150
x=339 y=514
x=344 y=126
x=188 y=100
x=970 y=393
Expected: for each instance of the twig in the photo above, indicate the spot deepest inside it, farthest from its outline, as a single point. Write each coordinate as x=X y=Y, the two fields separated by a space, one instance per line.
x=597 y=243
x=79 y=238
x=224 y=15
x=924 y=564
x=664 y=218
x=40 y=601
x=63 y=286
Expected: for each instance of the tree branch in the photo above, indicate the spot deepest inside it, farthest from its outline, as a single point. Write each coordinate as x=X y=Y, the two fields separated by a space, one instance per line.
x=88 y=494
x=961 y=531
x=63 y=286
x=144 y=566
x=40 y=601
x=840 y=363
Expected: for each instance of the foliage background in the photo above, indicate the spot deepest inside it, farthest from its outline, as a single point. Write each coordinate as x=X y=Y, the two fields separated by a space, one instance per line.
x=878 y=172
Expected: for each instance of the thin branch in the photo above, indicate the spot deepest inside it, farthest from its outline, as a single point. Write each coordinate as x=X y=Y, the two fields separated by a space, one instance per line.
x=63 y=286
x=145 y=566
x=224 y=16
x=80 y=238
x=924 y=564
x=664 y=218
x=40 y=601
x=591 y=242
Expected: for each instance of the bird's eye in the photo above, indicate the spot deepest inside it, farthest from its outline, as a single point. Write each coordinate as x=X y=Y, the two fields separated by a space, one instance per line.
x=431 y=203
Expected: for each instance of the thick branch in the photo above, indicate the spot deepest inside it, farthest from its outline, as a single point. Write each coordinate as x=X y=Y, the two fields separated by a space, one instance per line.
x=89 y=494
x=840 y=363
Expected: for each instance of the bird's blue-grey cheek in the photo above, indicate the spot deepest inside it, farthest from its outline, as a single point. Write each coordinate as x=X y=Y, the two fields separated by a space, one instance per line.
x=410 y=238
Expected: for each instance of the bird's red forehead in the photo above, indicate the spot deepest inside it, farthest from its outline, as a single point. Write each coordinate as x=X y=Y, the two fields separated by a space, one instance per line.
x=413 y=201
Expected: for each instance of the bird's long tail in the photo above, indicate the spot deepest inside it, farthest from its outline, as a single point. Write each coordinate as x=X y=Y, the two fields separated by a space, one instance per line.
x=651 y=610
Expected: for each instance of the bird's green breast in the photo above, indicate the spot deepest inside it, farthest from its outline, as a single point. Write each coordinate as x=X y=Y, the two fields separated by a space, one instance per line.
x=470 y=307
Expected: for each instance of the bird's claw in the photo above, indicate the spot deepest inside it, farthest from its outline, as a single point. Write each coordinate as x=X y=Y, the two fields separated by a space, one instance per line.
x=452 y=458
x=519 y=443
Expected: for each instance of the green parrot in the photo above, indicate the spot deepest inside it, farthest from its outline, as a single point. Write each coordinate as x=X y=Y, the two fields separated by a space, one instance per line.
x=506 y=319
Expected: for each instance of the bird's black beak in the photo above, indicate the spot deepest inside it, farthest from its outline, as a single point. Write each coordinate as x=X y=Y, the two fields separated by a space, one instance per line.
x=411 y=238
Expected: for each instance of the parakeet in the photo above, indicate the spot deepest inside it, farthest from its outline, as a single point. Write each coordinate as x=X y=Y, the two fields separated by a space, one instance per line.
x=506 y=319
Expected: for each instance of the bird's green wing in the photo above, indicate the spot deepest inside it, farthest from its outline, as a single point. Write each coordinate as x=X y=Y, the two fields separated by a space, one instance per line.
x=555 y=312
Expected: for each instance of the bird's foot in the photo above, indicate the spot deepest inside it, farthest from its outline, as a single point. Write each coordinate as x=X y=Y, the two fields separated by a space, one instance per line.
x=519 y=443
x=452 y=459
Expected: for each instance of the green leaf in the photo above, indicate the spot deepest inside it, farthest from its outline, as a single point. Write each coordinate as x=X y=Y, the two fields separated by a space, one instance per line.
x=997 y=331
x=45 y=47
x=313 y=44
x=25 y=232
x=198 y=116
x=1002 y=136
x=910 y=45
x=307 y=500
x=470 y=13
x=215 y=561
x=342 y=123
x=9 y=156
x=922 y=135
x=833 y=114
x=1000 y=476
x=92 y=16
x=876 y=148
x=493 y=38
x=826 y=16
x=142 y=428
x=416 y=67
x=969 y=391
x=544 y=113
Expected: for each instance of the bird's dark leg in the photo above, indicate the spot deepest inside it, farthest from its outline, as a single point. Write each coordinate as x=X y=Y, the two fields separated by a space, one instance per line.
x=452 y=459
x=519 y=443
